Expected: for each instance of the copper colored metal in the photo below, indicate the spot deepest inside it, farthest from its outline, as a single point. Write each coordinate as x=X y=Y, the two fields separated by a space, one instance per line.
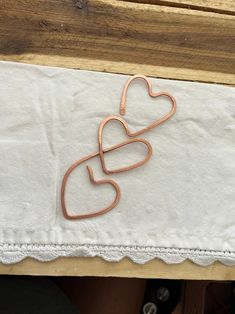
x=151 y=94
x=125 y=125
x=112 y=182
x=102 y=151
x=95 y=182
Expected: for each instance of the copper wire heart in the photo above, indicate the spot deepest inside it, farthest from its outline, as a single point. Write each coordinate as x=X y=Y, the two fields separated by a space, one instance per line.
x=151 y=94
x=137 y=140
x=93 y=181
x=90 y=172
x=102 y=151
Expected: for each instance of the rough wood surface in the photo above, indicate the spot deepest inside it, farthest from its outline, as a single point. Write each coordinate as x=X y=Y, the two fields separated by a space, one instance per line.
x=124 y=268
x=120 y=36
x=219 y=6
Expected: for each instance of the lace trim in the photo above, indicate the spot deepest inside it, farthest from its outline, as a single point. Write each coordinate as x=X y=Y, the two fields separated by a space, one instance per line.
x=12 y=253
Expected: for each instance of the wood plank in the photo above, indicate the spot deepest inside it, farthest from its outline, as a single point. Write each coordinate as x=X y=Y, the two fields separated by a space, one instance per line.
x=118 y=36
x=180 y=306
x=125 y=268
x=194 y=297
x=220 y=6
x=122 y=67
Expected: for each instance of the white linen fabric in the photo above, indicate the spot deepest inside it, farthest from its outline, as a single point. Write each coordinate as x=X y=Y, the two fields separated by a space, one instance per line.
x=179 y=205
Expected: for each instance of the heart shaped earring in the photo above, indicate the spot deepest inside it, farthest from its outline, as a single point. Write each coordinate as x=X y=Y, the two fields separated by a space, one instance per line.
x=151 y=94
x=130 y=141
x=95 y=182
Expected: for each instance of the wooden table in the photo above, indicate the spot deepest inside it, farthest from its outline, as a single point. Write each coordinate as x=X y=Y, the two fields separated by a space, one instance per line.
x=178 y=39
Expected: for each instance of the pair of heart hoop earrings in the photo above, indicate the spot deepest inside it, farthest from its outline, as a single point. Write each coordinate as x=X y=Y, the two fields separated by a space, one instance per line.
x=101 y=152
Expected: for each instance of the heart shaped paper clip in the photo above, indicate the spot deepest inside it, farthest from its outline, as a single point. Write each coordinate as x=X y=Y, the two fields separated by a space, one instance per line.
x=95 y=182
x=102 y=151
x=151 y=94
x=126 y=128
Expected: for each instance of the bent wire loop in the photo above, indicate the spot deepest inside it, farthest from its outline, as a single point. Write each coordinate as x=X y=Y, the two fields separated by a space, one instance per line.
x=101 y=152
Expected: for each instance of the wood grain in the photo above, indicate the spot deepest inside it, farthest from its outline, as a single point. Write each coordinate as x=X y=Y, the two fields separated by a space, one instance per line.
x=122 y=37
x=219 y=6
x=194 y=297
x=125 y=268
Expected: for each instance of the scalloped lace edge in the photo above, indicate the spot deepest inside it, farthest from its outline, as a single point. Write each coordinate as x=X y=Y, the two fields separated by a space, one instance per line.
x=13 y=253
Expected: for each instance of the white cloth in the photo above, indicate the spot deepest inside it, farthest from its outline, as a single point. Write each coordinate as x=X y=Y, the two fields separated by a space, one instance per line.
x=180 y=205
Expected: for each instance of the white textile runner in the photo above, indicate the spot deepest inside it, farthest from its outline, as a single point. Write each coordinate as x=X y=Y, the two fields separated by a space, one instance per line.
x=179 y=205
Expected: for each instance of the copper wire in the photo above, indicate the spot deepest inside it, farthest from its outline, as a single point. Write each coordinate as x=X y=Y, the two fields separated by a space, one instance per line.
x=112 y=182
x=151 y=94
x=101 y=152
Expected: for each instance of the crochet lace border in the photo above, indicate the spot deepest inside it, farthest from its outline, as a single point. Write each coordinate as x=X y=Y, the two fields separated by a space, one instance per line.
x=12 y=253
